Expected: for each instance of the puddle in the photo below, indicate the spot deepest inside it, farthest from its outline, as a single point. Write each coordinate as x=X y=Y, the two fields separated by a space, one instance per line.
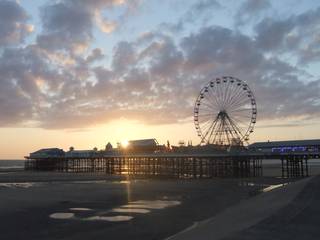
x=61 y=215
x=272 y=187
x=80 y=209
x=110 y=218
x=141 y=206
x=251 y=184
x=157 y=204
x=17 y=185
x=89 y=181
x=125 y=181
x=130 y=210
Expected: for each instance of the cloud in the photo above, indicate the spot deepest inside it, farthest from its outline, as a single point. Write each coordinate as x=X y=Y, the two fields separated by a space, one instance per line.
x=201 y=10
x=279 y=92
x=204 y=5
x=296 y=35
x=65 y=26
x=105 y=25
x=69 y=24
x=250 y=9
x=13 y=23
x=153 y=78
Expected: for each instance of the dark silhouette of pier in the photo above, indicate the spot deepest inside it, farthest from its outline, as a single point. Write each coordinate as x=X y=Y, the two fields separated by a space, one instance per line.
x=173 y=165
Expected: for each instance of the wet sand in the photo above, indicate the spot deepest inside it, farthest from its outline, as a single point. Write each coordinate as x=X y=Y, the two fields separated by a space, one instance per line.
x=43 y=205
x=233 y=222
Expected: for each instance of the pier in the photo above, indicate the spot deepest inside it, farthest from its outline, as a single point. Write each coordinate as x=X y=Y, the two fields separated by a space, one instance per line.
x=155 y=165
x=176 y=165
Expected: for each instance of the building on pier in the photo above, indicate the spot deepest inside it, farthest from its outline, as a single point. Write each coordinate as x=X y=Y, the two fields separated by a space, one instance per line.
x=143 y=146
x=47 y=153
x=81 y=153
x=312 y=145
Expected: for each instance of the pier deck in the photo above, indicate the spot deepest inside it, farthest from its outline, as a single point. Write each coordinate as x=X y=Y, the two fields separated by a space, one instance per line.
x=175 y=165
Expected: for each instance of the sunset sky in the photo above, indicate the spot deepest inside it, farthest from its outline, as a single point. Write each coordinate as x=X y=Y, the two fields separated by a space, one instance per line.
x=86 y=72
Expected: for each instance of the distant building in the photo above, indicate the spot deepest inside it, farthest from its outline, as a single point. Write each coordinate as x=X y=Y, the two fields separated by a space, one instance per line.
x=81 y=153
x=286 y=146
x=109 y=147
x=203 y=149
x=47 y=153
x=143 y=146
x=143 y=143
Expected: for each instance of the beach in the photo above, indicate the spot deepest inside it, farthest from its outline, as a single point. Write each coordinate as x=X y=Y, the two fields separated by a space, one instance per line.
x=32 y=204
x=57 y=205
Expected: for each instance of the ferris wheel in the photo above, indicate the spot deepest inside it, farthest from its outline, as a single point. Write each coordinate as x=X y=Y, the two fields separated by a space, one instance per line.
x=225 y=112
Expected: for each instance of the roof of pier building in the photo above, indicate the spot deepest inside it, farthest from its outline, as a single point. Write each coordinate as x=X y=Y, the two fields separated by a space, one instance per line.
x=81 y=153
x=290 y=143
x=143 y=142
x=47 y=152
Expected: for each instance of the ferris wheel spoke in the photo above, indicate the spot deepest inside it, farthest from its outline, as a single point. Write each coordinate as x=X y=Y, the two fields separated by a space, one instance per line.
x=212 y=131
x=233 y=129
x=218 y=93
x=213 y=93
x=226 y=133
x=205 y=125
x=241 y=110
x=204 y=115
x=242 y=127
x=216 y=133
x=204 y=120
x=240 y=94
x=206 y=108
x=229 y=94
x=207 y=105
x=240 y=114
x=236 y=92
x=240 y=119
x=238 y=101
x=207 y=131
x=236 y=128
x=215 y=96
x=212 y=97
x=223 y=92
x=241 y=103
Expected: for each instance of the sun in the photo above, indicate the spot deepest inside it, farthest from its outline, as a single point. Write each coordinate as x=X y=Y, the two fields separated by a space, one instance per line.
x=124 y=143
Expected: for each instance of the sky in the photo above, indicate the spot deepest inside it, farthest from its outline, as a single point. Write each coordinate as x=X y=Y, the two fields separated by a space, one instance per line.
x=83 y=73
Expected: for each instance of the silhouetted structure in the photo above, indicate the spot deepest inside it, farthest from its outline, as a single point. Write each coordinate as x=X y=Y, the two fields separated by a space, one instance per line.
x=312 y=145
x=146 y=158
x=155 y=165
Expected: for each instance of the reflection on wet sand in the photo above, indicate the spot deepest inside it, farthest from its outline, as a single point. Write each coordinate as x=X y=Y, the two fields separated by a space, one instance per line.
x=80 y=209
x=130 y=210
x=62 y=215
x=263 y=187
x=17 y=185
x=133 y=207
x=157 y=204
x=109 y=218
x=272 y=187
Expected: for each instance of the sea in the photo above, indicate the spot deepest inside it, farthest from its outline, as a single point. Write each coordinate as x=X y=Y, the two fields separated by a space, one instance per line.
x=11 y=165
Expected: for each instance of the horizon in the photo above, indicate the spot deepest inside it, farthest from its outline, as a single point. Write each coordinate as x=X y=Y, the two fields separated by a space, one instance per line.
x=85 y=73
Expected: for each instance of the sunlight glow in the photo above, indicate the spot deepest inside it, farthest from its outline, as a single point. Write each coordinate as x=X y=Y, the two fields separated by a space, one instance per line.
x=124 y=143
